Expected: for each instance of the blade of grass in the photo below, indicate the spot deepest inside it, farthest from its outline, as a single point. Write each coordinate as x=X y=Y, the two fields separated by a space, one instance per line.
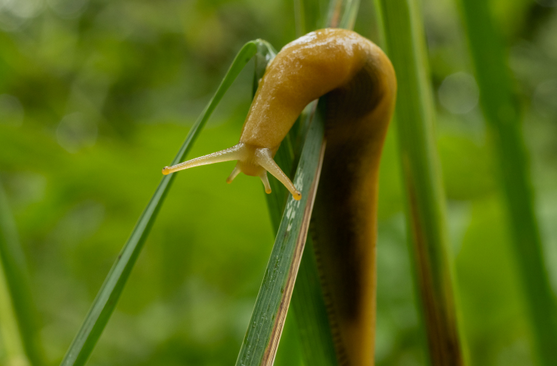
x=114 y=284
x=500 y=109
x=308 y=304
x=310 y=313
x=19 y=316
x=342 y=13
x=426 y=206
x=300 y=18
x=263 y=334
x=350 y=14
x=309 y=15
x=265 y=53
x=13 y=349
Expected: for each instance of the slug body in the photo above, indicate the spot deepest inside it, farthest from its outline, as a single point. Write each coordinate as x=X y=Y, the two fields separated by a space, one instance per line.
x=358 y=85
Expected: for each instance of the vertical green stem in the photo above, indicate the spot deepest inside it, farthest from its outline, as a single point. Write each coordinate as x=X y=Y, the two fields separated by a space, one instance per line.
x=308 y=304
x=415 y=115
x=21 y=329
x=504 y=130
x=267 y=320
x=12 y=341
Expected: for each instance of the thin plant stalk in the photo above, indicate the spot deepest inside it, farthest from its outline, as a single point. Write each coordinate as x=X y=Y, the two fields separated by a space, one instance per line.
x=19 y=318
x=267 y=320
x=414 y=116
x=308 y=304
x=501 y=112
x=14 y=351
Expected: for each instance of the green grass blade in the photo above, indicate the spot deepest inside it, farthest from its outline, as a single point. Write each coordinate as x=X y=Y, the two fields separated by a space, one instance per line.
x=108 y=296
x=499 y=106
x=311 y=315
x=342 y=13
x=265 y=53
x=19 y=317
x=308 y=306
x=268 y=317
x=350 y=14
x=307 y=292
x=426 y=206
x=12 y=342
x=309 y=15
x=308 y=303
x=300 y=18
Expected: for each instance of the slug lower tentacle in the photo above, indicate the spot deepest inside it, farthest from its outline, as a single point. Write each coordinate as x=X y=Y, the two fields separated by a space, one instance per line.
x=358 y=85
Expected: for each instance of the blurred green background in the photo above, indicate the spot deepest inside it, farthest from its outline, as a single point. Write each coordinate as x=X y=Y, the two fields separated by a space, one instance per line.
x=97 y=96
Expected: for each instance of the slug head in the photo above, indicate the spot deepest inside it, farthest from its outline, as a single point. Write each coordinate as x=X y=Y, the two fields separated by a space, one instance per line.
x=254 y=161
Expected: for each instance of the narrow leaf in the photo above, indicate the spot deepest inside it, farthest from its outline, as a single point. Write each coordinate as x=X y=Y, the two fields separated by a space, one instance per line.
x=414 y=116
x=309 y=15
x=500 y=109
x=308 y=304
x=263 y=334
x=114 y=284
x=18 y=315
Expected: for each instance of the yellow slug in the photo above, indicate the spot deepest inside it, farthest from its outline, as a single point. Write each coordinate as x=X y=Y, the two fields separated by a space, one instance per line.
x=358 y=85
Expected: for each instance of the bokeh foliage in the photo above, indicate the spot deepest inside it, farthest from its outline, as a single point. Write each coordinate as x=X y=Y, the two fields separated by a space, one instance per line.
x=96 y=97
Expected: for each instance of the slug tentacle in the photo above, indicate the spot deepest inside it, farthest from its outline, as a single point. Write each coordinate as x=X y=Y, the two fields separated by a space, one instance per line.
x=254 y=161
x=266 y=183
x=236 y=152
x=233 y=175
x=265 y=159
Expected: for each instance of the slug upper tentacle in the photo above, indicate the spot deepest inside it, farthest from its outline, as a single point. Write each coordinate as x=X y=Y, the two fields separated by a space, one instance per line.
x=358 y=85
x=254 y=161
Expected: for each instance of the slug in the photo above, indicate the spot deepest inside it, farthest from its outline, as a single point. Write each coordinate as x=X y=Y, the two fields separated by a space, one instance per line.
x=357 y=82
